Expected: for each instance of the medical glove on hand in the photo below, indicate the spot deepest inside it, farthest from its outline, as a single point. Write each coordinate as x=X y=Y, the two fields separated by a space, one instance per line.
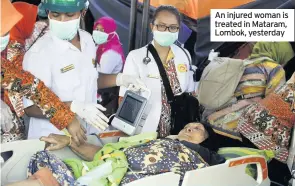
x=6 y=117
x=127 y=80
x=91 y=113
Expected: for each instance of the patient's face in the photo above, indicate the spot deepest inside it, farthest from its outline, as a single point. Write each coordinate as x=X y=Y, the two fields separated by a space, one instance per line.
x=194 y=133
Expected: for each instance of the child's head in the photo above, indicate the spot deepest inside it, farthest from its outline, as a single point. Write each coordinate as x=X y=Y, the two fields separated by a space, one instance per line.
x=194 y=133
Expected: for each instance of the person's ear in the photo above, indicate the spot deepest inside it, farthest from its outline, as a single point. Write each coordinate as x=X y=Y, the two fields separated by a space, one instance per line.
x=83 y=13
x=151 y=26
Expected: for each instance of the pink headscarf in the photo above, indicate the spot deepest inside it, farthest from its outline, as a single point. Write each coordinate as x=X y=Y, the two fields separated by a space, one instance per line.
x=109 y=25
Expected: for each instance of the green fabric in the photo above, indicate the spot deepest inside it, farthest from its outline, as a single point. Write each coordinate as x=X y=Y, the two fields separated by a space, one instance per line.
x=235 y=152
x=279 y=52
x=64 y=5
x=110 y=152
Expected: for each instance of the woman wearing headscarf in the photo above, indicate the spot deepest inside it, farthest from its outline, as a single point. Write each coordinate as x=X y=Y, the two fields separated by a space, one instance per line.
x=14 y=52
x=109 y=55
x=262 y=77
x=110 y=59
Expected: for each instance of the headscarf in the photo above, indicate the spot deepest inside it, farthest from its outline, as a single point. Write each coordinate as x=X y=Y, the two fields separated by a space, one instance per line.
x=24 y=28
x=279 y=52
x=212 y=141
x=216 y=141
x=9 y=17
x=109 y=25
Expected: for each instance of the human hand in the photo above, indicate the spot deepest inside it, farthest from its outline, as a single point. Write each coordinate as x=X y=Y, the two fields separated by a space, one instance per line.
x=77 y=132
x=91 y=113
x=6 y=117
x=55 y=141
x=127 y=80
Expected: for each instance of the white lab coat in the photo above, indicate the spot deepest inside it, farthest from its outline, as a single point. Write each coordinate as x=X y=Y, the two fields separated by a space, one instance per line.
x=110 y=63
x=134 y=66
x=46 y=59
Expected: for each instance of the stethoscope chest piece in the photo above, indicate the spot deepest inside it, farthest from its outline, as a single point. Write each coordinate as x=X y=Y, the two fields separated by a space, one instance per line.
x=146 y=60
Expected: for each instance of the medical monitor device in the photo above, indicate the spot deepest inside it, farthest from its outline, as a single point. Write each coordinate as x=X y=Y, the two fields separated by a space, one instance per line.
x=130 y=112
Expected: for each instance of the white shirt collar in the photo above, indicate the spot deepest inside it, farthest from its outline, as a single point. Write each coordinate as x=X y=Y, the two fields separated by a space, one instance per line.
x=64 y=45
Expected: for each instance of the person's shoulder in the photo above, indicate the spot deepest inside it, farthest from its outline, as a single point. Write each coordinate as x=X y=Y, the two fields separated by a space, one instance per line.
x=86 y=36
x=138 y=52
x=178 y=48
x=111 y=52
x=42 y=44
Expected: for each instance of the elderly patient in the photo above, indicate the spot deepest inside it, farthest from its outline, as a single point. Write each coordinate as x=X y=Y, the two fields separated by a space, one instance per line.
x=178 y=153
x=194 y=136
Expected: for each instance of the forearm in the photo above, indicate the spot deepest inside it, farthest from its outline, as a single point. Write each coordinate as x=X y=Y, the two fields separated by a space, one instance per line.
x=34 y=111
x=34 y=89
x=86 y=151
x=106 y=81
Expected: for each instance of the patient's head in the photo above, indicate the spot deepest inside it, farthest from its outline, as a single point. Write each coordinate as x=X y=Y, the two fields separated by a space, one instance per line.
x=194 y=133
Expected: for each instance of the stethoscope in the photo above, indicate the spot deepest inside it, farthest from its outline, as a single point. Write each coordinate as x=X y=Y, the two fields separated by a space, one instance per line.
x=146 y=60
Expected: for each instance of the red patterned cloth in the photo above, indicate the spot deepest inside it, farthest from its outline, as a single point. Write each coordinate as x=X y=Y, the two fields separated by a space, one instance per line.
x=268 y=123
x=165 y=119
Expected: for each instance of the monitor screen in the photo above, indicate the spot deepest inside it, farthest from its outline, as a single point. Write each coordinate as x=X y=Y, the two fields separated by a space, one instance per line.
x=130 y=109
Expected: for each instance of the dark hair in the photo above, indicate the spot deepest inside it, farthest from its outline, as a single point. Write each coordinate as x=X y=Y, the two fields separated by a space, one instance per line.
x=168 y=8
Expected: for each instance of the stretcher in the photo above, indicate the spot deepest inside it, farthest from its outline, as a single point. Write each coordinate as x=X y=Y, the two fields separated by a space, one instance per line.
x=231 y=173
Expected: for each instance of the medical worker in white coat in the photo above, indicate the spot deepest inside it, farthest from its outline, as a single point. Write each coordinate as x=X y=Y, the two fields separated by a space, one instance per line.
x=165 y=27
x=64 y=59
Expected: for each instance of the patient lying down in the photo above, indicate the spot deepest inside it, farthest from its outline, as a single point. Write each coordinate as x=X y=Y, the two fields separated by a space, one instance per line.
x=194 y=136
x=137 y=159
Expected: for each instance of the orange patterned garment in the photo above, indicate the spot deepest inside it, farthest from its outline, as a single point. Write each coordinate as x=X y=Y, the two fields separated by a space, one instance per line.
x=268 y=123
x=17 y=80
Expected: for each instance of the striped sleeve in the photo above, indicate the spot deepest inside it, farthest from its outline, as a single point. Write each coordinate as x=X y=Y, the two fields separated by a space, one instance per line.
x=275 y=77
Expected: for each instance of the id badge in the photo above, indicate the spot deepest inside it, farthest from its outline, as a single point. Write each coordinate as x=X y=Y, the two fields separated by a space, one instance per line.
x=153 y=76
x=67 y=68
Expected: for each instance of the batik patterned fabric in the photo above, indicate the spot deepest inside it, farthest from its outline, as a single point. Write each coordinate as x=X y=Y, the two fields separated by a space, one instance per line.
x=160 y=156
x=165 y=119
x=40 y=29
x=258 y=81
x=43 y=159
x=14 y=54
x=268 y=123
x=27 y=85
x=17 y=132
x=13 y=99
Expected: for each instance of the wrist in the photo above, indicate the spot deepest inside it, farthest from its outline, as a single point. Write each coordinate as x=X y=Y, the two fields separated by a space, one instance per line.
x=63 y=118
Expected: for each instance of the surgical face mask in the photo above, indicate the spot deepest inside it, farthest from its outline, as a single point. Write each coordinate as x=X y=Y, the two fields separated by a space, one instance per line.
x=100 y=37
x=4 y=42
x=64 y=30
x=165 y=39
